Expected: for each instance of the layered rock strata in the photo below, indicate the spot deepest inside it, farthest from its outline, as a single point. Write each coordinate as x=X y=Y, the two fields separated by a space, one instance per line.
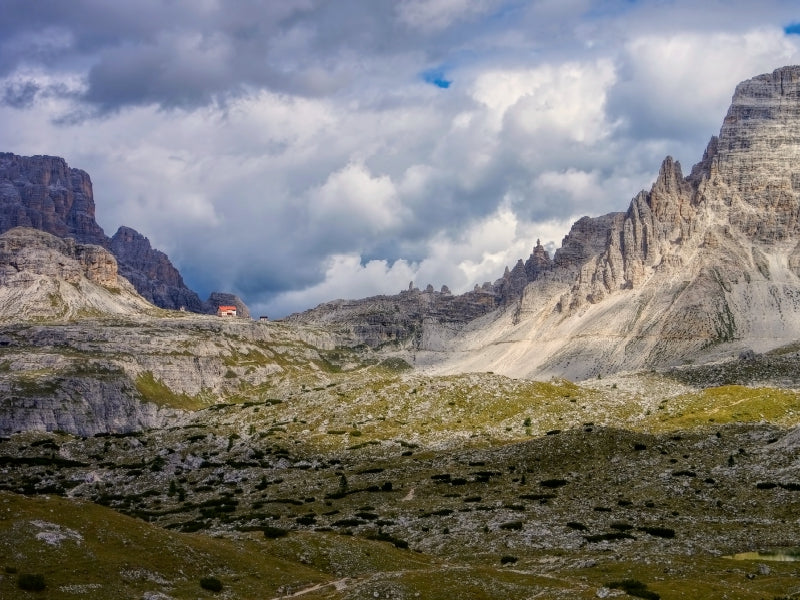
x=44 y=193
x=699 y=265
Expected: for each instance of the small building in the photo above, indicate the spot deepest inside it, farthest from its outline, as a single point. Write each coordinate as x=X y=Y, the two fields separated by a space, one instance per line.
x=226 y=311
x=263 y=318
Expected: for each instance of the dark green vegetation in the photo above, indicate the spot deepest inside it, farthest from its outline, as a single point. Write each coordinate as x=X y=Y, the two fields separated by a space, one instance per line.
x=562 y=515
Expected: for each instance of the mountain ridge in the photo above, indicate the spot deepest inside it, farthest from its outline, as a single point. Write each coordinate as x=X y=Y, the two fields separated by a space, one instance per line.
x=697 y=266
x=45 y=193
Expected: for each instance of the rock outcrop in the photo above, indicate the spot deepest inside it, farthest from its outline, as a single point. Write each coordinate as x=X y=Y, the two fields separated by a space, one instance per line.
x=151 y=272
x=43 y=192
x=46 y=278
x=217 y=299
x=400 y=320
x=415 y=318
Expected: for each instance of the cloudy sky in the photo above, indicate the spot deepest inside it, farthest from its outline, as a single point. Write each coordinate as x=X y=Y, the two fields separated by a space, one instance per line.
x=297 y=151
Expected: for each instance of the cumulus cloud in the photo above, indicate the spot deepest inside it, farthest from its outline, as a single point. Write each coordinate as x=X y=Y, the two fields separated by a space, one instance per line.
x=479 y=253
x=672 y=84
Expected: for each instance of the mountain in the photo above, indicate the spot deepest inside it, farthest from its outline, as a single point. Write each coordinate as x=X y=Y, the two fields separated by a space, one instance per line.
x=43 y=192
x=700 y=266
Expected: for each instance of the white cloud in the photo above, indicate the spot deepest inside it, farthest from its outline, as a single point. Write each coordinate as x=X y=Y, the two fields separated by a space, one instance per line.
x=308 y=144
x=672 y=82
x=478 y=254
x=565 y=98
x=353 y=201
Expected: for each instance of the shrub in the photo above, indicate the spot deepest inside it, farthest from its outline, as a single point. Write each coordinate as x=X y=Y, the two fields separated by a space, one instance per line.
x=553 y=483
x=684 y=473
x=306 y=519
x=635 y=588
x=576 y=526
x=664 y=532
x=508 y=559
x=386 y=537
x=31 y=582
x=272 y=533
x=512 y=525
x=211 y=584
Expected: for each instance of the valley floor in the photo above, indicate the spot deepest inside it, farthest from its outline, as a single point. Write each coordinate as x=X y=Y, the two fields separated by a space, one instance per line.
x=273 y=502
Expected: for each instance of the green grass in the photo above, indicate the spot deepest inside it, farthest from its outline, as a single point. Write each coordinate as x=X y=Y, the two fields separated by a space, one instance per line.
x=103 y=554
x=729 y=404
x=157 y=392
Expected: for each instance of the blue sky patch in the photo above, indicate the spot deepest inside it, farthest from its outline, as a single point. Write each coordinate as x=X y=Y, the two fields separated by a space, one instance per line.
x=437 y=78
x=792 y=29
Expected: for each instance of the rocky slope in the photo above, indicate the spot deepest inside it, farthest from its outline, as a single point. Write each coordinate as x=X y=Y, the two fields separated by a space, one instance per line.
x=700 y=266
x=403 y=319
x=82 y=352
x=43 y=277
x=43 y=192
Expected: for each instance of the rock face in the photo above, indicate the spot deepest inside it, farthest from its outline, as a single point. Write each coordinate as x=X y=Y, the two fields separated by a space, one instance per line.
x=43 y=277
x=151 y=272
x=43 y=192
x=133 y=372
x=698 y=266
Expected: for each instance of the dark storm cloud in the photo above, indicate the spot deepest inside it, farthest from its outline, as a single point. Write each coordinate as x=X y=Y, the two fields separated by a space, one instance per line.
x=20 y=94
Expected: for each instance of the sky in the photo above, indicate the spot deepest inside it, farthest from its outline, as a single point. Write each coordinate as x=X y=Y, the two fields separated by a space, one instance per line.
x=298 y=151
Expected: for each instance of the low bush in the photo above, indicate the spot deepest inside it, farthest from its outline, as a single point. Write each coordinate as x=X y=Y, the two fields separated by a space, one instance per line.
x=211 y=584
x=635 y=588
x=272 y=533
x=386 y=537
x=553 y=483
x=31 y=582
x=663 y=532
x=508 y=559
x=511 y=525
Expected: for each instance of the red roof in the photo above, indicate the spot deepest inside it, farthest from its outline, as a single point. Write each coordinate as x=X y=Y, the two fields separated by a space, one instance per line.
x=227 y=308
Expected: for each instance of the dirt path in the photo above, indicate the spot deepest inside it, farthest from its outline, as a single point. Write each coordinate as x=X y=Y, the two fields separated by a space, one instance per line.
x=339 y=584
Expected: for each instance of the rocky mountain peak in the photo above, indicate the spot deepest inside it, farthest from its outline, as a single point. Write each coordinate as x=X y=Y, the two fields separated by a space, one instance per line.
x=45 y=193
x=151 y=272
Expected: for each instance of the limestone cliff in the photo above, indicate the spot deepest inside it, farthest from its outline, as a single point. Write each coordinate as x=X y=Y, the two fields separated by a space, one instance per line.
x=46 y=278
x=151 y=272
x=43 y=192
x=698 y=265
